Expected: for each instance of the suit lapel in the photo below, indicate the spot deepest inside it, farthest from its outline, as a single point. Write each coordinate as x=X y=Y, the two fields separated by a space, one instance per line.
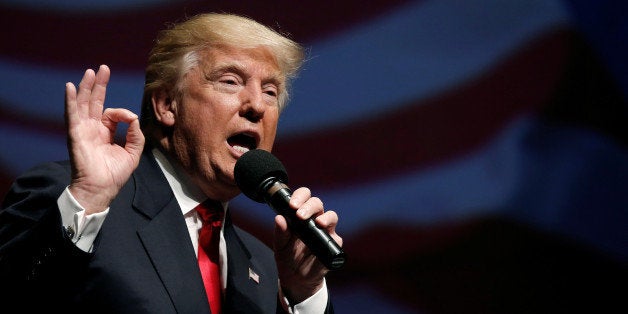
x=166 y=239
x=251 y=287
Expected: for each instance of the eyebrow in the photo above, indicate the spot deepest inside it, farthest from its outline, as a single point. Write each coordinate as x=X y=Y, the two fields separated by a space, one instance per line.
x=238 y=68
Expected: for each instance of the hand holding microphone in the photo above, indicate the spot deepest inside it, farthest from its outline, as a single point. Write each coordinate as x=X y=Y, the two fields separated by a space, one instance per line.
x=262 y=177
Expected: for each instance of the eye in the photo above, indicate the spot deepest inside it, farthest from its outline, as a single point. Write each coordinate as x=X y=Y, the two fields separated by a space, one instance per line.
x=229 y=80
x=270 y=90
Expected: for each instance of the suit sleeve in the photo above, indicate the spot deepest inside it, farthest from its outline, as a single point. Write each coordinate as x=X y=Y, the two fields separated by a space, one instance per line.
x=36 y=256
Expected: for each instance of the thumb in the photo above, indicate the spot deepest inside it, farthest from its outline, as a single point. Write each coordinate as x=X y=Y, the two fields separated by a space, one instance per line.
x=282 y=233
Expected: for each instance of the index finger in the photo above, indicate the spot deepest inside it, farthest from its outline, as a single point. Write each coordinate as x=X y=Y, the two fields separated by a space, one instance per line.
x=299 y=196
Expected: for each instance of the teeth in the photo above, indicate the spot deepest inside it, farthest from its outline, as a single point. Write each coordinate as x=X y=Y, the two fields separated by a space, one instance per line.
x=241 y=149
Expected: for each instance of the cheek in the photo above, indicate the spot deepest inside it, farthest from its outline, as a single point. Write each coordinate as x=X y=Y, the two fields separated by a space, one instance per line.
x=268 y=142
x=270 y=132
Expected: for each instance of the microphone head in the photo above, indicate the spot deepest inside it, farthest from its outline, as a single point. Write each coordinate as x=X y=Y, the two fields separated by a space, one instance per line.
x=253 y=168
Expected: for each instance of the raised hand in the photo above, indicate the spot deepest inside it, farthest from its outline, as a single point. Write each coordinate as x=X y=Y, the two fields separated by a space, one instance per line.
x=99 y=166
x=300 y=272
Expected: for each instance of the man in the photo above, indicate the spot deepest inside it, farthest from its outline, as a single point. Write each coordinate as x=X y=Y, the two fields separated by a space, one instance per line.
x=115 y=229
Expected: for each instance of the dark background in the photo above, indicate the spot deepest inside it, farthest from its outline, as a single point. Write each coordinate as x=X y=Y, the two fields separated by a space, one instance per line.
x=476 y=151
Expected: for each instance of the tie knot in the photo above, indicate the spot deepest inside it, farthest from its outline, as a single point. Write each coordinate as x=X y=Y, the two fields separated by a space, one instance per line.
x=210 y=212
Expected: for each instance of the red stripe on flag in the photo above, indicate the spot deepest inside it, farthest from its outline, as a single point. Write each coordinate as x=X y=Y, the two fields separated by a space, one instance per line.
x=123 y=38
x=430 y=131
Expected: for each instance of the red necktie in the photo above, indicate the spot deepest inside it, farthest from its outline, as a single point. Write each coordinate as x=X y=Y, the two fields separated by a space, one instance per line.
x=211 y=213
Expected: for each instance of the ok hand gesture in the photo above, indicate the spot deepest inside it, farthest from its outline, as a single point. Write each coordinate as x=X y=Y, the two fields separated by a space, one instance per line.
x=100 y=167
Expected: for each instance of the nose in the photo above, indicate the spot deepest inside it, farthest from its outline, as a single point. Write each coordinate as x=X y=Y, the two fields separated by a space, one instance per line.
x=253 y=106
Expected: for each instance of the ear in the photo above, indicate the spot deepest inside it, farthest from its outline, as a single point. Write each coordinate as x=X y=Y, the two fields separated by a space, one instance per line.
x=163 y=107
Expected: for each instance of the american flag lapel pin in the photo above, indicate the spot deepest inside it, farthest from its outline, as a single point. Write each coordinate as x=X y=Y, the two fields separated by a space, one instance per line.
x=253 y=275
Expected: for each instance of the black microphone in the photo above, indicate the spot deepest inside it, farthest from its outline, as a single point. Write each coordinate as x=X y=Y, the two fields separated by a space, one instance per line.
x=262 y=177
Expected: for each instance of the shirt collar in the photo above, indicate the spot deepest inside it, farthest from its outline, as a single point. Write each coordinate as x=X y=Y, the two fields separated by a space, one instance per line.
x=188 y=194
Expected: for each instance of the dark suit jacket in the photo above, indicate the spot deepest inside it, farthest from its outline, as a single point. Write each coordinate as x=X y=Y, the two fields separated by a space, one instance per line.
x=143 y=260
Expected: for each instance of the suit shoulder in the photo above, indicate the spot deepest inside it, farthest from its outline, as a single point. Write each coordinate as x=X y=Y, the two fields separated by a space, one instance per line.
x=45 y=179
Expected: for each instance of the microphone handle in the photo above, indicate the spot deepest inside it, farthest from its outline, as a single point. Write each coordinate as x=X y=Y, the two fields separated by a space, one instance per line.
x=315 y=238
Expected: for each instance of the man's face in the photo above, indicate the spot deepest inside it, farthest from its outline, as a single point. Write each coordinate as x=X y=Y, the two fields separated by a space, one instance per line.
x=228 y=105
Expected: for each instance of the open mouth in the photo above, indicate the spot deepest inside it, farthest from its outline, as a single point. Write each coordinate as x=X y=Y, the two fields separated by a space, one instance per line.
x=242 y=142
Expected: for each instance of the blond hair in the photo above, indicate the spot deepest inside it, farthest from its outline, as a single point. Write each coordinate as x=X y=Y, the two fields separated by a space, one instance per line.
x=177 y=49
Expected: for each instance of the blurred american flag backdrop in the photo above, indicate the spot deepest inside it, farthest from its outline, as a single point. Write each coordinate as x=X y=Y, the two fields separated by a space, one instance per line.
x=475 y=151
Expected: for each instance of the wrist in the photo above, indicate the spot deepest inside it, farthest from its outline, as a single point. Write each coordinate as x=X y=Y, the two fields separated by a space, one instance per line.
x=300 y=292
x=92 y=201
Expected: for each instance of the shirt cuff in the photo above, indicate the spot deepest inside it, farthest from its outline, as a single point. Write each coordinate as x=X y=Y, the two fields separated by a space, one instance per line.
x=317 y=303
x=81 y=228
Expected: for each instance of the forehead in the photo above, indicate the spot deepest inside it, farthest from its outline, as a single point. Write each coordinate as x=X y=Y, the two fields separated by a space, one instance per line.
x=259 y=60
